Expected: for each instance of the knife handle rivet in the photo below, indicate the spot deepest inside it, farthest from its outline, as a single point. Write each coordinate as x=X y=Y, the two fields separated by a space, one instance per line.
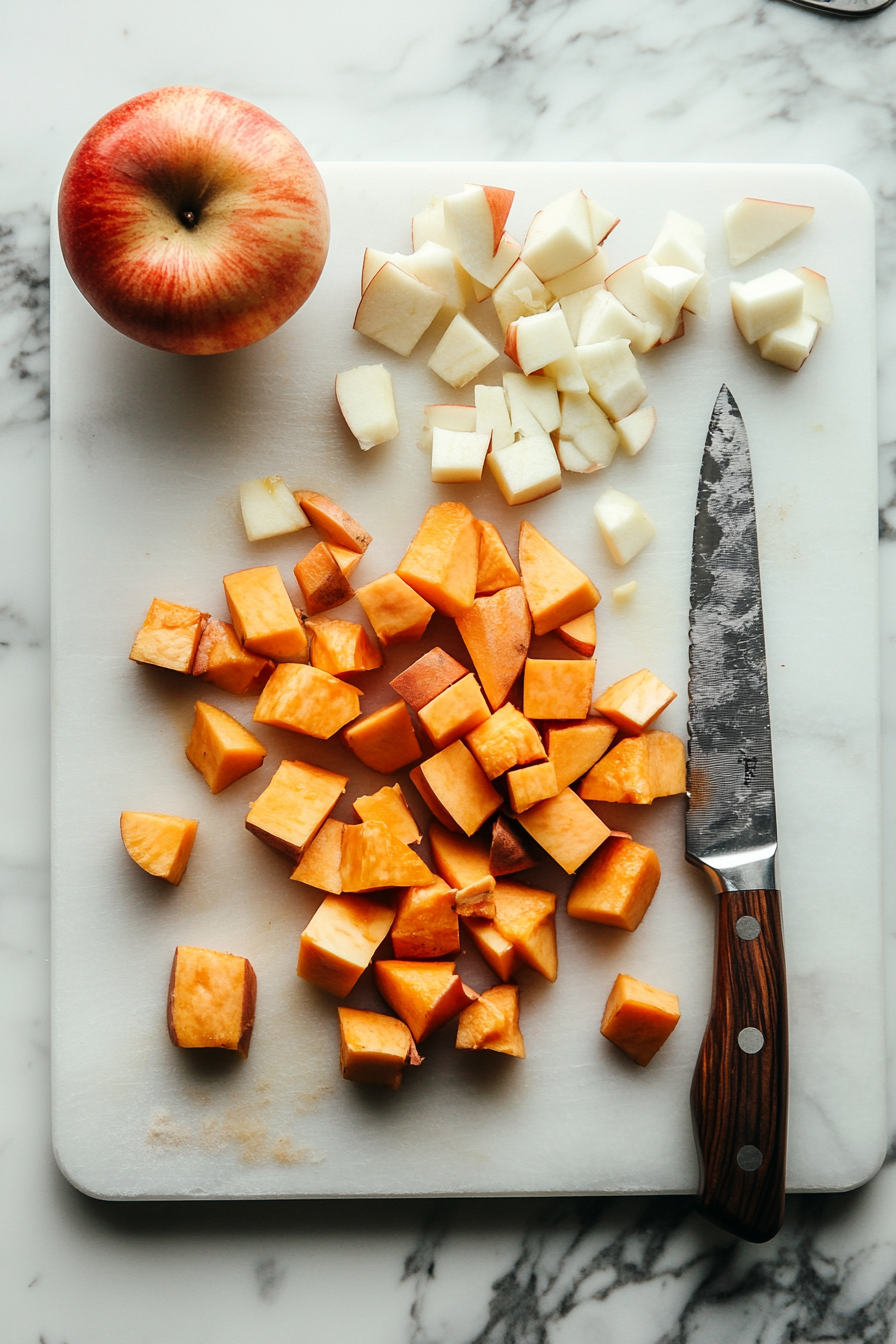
x=747 y=928
x=750 y=1040
x=749 y=1158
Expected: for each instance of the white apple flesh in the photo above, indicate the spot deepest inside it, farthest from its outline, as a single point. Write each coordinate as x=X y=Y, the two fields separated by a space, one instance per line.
x=533 y=402
x=604 y=317
x=790 y=346
x=614 y=379
x=367 y=402
x=269 y=509
x=492 y=416
x=461 y=353
x=766 y=303
x=539 y=340
x=627 y=284
x=817 y=297
x=624 y=525
x=560 y=237
x=457 y=456
x=584 y=426
x=634 y=431
x=396 y=309
x=590 y=273
x=752 y=226
x=527 y=470
x=519 y=294
x=445 y=416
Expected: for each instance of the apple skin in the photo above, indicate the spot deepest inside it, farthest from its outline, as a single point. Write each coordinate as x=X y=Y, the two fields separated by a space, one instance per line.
x=245 y=262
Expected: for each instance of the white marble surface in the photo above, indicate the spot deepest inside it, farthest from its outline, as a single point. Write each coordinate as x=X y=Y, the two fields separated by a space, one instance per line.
x=653 y=79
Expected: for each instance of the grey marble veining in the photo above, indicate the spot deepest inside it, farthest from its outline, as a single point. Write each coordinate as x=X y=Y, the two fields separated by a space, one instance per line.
x=664 y=79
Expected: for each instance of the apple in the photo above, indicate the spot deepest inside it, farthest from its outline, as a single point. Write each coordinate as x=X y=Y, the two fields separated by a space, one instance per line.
x=614 y=379
x=192 y=221
x=753 y=225
x=766 y=303
x=625 y=528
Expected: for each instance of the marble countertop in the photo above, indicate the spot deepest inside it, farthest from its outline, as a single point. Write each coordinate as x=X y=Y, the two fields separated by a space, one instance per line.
x=513 y=79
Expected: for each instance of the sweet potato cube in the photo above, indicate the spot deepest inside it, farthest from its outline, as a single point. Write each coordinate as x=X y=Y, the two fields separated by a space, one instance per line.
x=637 y=770
x=496 y=631
x=496 y=569
x=454 y=713
x=374 y=1048
x=340 y=647
x=531 y=784
x=634 y=702
x=428 y=677
x=339 y=942
x=496 y=951
x=294 y=806
x=557 y=591
x=426 y=922
x=566 y=828
x=384 y=740
x=477 y=899
x=639 y=1018
x=423 y=994
x=512 y=850
x=373 y=858
x=169 y=636
x=493 y=1023
x=388 y=805
x=580 y=634
x=307 y=700
x=442 y=817
x=505 y=740
x=220 y=748
x=320 y=865
x=211 y=1000
x=575 y=747
x=442 y=562
x=321 y=580
x=668 y=763
x=331 y=522
x=616 y=885
x=222 y=660
x=460 y=784
x=398 y=614
x=459 y=859
x=558 y=688
x=525 y=917
x=263 y=617
x=159 y=844
x=348 y=561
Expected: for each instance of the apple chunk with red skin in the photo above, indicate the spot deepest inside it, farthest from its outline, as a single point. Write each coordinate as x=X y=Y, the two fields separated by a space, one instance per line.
x=192 y=221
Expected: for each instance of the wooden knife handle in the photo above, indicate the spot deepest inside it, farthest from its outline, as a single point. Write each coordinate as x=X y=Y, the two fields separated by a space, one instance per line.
x=739 y=1092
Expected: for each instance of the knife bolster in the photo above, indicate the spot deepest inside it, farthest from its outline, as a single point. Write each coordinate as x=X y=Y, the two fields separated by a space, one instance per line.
x=750 y=870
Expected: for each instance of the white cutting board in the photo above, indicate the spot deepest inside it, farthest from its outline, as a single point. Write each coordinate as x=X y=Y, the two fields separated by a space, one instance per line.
x=148 y=451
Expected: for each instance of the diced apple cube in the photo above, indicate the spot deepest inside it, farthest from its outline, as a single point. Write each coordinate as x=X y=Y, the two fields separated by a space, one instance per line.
x=625 y=592
x=671 y=284
x=442 y=561
x=816 y=296
x=496 y=569
x=445 y=416
x=766 y=303
x=556 y=590
x=526 y=470
x=293 y=807
x=753 y=225
x=461 y=786
x=586 y=276
x=519 y=294
x=624 y=525
x=580 y=634
x=269 y=508
x=319 y=866
x=533 y=402
x=560 y=237
x=505 y=740
x=220 y=748
x=338 y=944
x=574 y=748
x=423 y=994
x=263 y=617
x=367 y=402
x=639 y=1018
x=634 y=702
x=428 y=677
x=461 y=353
x=396 y=309
x=426 y=922
x=458 y=457
x=558 y=688
x=603 y=221
x=388 y=806
x=634 y=431
x=567 y=374
x=492 y=1023
x=332 y=523
x=681 y=242
x=474 y=227
x=604 y=319
x=492 y=416
x=496 y=632
x=566 y=828
x=169 y=636
x=374 y=1048
x=211 y=1000
x=437 y=266
x=574 y=306
x=585 y=427
x=384 y=740
x=306 y=700
x=159 y=844
x=613 y=377
x=790 y=346
x=455 y=712
x=539 y=340
x=221 y=660
x=627 y=284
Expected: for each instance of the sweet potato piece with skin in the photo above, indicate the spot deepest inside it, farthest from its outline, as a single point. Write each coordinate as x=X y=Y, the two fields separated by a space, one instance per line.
x=575 y=747
x=496 y=631
x=557 y=591
x=512 y=850
x=460 y=859
x=169 y=636
x=444 y=818
x=159 y=844
x=331 y=522
x=558 y=688
x=634 y=702
x=222 y=660
x=398 y=614
x=459 y=783
x=580 y=634
x=496 y=569
x=373 y=858
x=637 y=770
x=477 y=899
x=319 y=865
x=426 y=922
x=442 y=562
x=428 y=677
x=341 y=647
x=507 y=739
x=639 y=1018
x=525 y=916
x=423 y=994
x=220 y=748
x=211 y=1000
x=566 y=828
x=294 y=806
x=531 y=785
x=374 y=1048
x=388 y=806
x=339 y=942
x=321 y=580
x=493 y=1023
x=308 y=701
x=347 y=560
x=496 y=951
x=263 y=617
x=616 y=885
x=454 y=713
x=384 y=740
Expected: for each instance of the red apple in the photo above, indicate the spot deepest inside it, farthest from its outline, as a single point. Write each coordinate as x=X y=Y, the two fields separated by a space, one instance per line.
x=193 y=221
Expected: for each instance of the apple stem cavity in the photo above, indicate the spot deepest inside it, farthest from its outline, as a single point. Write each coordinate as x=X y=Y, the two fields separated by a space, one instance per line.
x=189 y=218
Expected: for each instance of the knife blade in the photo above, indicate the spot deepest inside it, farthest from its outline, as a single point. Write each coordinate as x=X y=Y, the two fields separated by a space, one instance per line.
x=845 y=9
x=739 y=1091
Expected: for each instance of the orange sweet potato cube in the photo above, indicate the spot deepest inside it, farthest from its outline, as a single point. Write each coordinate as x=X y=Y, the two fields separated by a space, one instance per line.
x=321 y=580
x=496 y=569
x=454 y=713
x=557 y=591
x=263 y=617
x=580 y=634
x=384 y=740
x=169 y=636
x=639 y=1018
x=634 y=702
x=389 y=806
x=531 y=784
x=496 y=951
x=340 y=647
x=211 y=1000
x=424 y=994
x=220 y=748
x=525 y=917
x=493 y=1023
x=332 y=522
x=616 y=885
x=574 y=747
x=348 y=561
x=159 y=844
x=505 y=740
x=558 y=688
x=426 y=922
x=442 y=817
x=477 y=899
x=374 y=858
x=566 y=828
x=307 y=700
x=294 y=806
x=511 y=850
x=339 y=942
x=398 y=614
x=222 y=660
x=461 y=787
x=427 y=678
x=442 y=562
x=496 y=631
x=638 y=769
x=320 y=864
x=374 y=1048
x=459 y=859
x=668 y=763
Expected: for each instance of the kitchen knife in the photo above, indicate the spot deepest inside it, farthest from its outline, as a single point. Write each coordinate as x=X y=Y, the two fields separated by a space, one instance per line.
x=845 y=9
x=739 y=1092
